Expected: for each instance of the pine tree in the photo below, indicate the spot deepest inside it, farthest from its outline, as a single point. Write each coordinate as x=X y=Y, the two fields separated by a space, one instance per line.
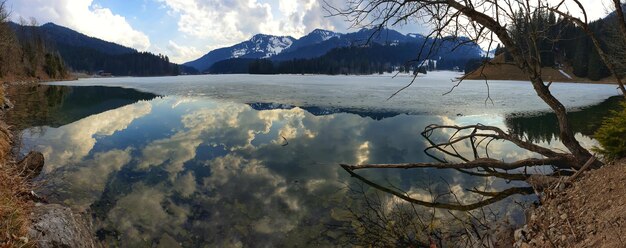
x=581 y=57
x=597 y=69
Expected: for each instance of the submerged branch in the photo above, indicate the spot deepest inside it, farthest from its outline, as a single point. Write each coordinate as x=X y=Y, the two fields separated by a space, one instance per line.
x=561 y=162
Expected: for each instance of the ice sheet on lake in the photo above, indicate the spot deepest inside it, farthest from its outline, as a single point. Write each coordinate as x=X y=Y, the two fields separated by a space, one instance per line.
x=367 y=93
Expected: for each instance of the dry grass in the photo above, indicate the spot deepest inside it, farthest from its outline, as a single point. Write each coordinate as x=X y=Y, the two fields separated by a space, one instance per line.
x=508 y=71
x=14 y=208
x=1 y=94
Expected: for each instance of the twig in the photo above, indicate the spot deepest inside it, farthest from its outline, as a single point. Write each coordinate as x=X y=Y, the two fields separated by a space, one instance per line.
x=585 y=167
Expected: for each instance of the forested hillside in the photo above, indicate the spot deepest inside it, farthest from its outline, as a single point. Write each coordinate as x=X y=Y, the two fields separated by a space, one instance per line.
x=90 y=55
x=566 y=45
x=28 y=58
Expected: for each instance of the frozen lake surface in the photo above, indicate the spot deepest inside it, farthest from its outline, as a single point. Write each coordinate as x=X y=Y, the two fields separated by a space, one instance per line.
x=367 y=93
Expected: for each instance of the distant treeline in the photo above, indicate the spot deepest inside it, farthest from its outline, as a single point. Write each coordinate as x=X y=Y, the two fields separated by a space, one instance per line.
x=371 y=59
x=89 y=60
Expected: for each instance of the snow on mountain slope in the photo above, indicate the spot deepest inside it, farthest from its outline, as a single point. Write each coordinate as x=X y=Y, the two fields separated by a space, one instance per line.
x=267 y=45
x=259 y=46
x=314 y=44
x=325 y=34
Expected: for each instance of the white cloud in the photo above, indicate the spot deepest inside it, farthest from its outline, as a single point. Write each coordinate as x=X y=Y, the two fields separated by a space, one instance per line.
x=180 y=54
x=83 y=185
x=228 y=22
x=71 y=143
x=83 y=16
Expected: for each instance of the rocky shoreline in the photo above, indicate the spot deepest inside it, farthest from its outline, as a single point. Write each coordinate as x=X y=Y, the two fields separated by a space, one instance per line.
x=41 y=224
x=590 y=212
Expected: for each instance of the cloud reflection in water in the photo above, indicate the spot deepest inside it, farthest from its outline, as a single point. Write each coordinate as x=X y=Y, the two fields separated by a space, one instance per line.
x=201 y=171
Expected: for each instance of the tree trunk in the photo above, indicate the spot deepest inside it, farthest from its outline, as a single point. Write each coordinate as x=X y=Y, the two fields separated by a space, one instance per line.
x=566 y=134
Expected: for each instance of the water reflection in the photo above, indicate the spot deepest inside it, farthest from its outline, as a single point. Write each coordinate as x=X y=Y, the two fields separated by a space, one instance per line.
x=196 y=172
x=545 y=128
x=57 y=106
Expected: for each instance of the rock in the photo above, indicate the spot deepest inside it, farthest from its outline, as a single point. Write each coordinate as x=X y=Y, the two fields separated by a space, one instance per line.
x=56 y=226
x=7 y=104
x=504 y=236
x=31 y=165
x=525 y=245
x=520 y=234
x=533 y=217
x=563 y=216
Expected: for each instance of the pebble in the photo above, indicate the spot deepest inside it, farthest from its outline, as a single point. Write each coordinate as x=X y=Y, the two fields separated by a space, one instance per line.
x=564 y=216
x=520 y=234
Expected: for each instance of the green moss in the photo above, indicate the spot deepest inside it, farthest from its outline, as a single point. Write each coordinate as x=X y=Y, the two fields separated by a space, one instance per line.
x=612 y=135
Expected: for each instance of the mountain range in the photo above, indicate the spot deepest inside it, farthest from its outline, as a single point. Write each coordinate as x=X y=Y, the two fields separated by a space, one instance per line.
x=315 y=44
x=320 y=51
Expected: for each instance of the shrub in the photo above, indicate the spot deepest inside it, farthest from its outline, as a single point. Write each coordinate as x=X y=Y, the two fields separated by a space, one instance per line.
x=612 y=135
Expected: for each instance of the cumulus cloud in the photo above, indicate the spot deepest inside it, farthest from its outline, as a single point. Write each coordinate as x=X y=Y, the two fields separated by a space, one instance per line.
x=83 y=16
x=71 y=143
x=145 y=211
x=83 y=185
x=179 y=53
x=229 y=22
x=172 y=152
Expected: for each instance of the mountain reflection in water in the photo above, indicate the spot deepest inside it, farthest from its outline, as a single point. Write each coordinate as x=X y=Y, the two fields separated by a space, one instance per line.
x=196 y=171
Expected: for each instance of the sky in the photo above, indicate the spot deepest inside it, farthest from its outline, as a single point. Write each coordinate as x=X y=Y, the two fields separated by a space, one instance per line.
x=184 y=30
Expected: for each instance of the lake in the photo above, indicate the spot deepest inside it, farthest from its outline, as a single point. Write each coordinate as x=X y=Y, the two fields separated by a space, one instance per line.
x=248 y=160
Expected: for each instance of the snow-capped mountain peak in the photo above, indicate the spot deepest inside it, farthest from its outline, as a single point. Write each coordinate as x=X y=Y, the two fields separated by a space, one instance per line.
x=325 y=34
x=262 y=45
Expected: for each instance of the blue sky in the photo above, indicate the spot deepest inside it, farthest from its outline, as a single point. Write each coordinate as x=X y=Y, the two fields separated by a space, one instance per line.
x=186 y=29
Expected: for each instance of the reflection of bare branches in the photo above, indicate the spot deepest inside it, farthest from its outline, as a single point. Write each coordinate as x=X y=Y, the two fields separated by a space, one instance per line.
x=380 y=220
x=495 y=196
x=377 y=221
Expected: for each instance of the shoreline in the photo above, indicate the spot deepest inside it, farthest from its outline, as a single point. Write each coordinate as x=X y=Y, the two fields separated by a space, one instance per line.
x=31 y=220
x=509 y=72
x=589 y=212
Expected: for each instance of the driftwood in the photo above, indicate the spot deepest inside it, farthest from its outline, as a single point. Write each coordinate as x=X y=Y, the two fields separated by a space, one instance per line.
x=580 y=172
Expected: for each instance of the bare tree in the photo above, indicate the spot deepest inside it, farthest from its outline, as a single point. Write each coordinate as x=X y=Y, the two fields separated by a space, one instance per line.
x=509 y=22
x=9 y=46
x=485 y=21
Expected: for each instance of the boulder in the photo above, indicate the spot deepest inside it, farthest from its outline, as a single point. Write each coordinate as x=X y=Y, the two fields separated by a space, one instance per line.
x=54 y=225
x=31 y=165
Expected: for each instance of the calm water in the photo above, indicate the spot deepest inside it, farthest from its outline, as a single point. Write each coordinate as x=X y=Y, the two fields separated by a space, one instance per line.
x=193 y=170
